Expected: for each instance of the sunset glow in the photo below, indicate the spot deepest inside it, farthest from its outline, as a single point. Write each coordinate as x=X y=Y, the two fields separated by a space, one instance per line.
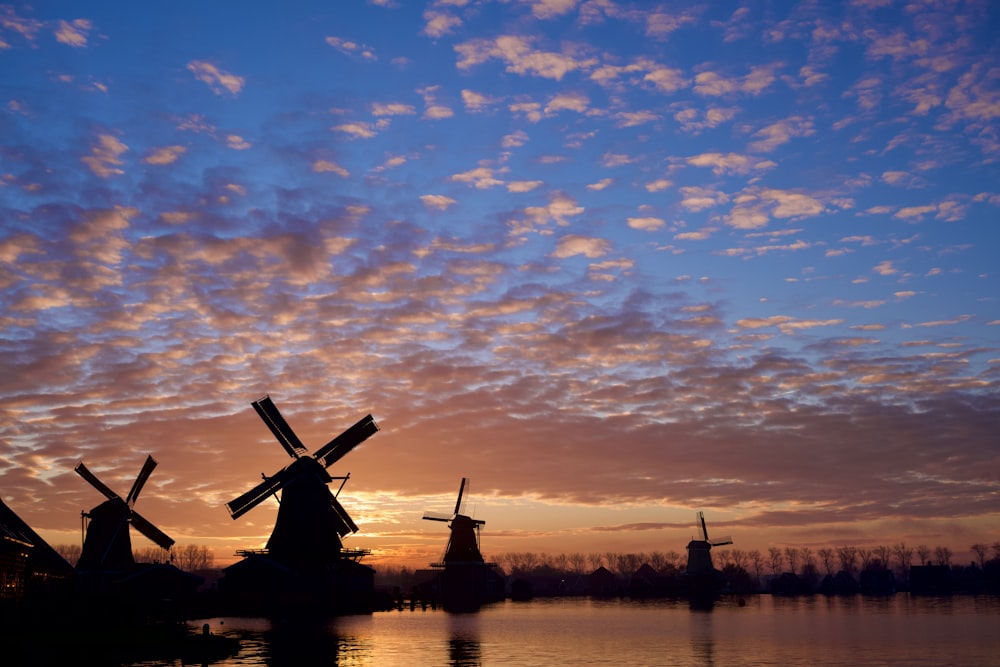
x=615 y=262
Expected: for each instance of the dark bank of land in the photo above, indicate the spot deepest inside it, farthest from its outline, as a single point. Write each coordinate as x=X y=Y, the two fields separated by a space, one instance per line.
x=845 y=570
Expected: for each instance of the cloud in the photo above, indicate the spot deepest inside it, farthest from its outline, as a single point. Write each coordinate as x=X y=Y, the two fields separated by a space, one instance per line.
x=392 y=109
x=218 y=80
x=515 y=139
x=437 y=202
x=771 y=137
x=519 y=56
x=438 y=23
x=524 y=186
x=237 y=143
x=572 y=245
x=548 y=9
x=355 y=129
x=567 y=102
x=696 y=121
x=481 y=177
x=434 y=110
x=698 y=198
x=73 y=33
x=660 y=24
x=104 y=156
x=713 y=84
x=353 y=49
x=328 y=166
x=732 y=163
x=647 y=224
x=791 y=204
x=476 y=102
x=666 y=79
x=634 y=118
x=164 y=156
x=885 y=268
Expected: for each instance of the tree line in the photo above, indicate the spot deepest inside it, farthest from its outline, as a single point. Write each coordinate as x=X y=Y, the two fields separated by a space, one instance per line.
x=756 y=564
x=188 y=557
x=774 y=561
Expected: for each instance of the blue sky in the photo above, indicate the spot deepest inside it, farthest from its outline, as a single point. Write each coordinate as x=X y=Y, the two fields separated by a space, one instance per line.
x=616 y=262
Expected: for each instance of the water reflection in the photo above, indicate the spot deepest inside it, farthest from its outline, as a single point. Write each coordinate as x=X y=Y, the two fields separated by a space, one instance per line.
x=464 y=646
x=306 y=644
x=702 y=636
x=758 y=631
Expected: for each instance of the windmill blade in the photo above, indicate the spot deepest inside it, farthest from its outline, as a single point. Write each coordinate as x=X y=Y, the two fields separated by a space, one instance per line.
x=461 y=490
x=334 y=450
x=255 y=496
x=94 y=482
x=156 y=535
x=721 y=541
x=140 y=481
x=704 y=529
x=267 y=410
x=349 y=525
x=434 y=516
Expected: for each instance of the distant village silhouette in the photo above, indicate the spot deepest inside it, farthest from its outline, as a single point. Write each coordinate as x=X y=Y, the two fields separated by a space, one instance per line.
x=123 y=599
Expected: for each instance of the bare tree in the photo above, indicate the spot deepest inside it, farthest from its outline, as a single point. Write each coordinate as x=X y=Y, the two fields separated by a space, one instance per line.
x=884 y=553
x=848 y=556
x=657 y=560
x=757 y=559
x=996 y=549
x=595 y=560
x=826 y=556
x=924 y=553
x=904 y=556
x=559 y=561
x=578 y=562
x=808 y=560
x=866 y=557
x=943 y=555
x=721 y=557
x=980 y=550
x=792 y=554
x=739 y=558
x=191 y=557
x=774 y=554
x=70 y=552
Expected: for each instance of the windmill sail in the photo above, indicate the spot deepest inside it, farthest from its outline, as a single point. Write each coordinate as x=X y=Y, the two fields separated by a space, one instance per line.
x=279 y=427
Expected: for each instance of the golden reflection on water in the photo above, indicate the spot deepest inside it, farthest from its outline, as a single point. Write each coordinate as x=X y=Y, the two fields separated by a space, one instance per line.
x=762 y=630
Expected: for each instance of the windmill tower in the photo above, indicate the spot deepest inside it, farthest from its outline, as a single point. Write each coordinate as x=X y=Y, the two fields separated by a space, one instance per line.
x=107 y=545
x=311 y=521
x=700 y=551
x=466 y=580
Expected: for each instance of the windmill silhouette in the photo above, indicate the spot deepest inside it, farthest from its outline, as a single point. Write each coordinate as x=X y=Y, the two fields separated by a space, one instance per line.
x=463 y=544
x=311 y=521
x=107 y=545
x=466 y=580
x=700 y=551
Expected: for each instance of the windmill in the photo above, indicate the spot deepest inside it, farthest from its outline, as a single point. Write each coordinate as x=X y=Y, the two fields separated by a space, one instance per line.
x=700 y=551
x=463 y=545
x=311 y=521
x=467 y=581
x=107 y=545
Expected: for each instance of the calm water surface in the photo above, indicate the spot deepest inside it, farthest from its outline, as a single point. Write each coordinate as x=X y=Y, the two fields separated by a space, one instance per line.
x=899 y=630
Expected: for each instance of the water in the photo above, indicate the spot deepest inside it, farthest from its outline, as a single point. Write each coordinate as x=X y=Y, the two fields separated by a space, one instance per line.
x=898 y=630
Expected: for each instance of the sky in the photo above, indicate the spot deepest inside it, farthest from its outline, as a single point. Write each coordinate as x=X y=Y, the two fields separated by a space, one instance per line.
x=615 y=262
